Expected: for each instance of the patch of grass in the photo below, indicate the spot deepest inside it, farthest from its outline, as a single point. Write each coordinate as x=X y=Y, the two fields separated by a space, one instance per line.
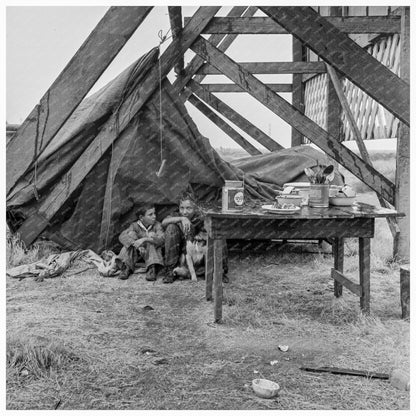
x=17 y=253
x=28 y=359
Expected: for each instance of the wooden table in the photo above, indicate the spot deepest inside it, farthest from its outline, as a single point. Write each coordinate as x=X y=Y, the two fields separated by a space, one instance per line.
x=334 y=223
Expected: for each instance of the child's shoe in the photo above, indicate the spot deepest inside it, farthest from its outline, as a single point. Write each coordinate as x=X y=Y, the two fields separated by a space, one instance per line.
x=125 y=272
x=151 y=273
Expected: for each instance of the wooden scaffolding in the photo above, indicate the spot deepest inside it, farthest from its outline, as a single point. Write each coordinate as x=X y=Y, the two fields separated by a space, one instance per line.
x=350 y=81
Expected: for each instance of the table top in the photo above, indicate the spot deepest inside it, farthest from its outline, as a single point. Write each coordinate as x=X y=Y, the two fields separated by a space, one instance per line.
x=357 y=210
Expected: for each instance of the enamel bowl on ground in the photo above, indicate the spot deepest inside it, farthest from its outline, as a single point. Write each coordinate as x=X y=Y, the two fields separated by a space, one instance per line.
x=265 y=389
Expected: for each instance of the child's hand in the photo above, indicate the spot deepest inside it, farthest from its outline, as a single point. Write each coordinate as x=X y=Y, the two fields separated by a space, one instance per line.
x=186 y=225
x=151 y=234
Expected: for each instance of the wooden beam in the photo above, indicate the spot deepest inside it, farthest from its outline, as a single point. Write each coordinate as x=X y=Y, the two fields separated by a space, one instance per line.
x=364 y=259
x=338 y=253
x=225 y=41
x=344 y=281
x=175 y=18
x=134 y=102
x=402 y=198
x=225 y=127
x=71 y=86
x=235 y=88
x=272 y=68
x=298 y=55
x=392 y=222
x=291 y=115
x=267 y=26
x=233 y=116
x=346 y=56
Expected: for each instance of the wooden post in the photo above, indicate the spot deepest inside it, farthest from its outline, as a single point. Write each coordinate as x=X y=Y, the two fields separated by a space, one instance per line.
x=218 y=270
x=364 y=270
x=338 y=249
x=298 y=53
x=405 y=290
x=401 y=247
x=175 y=18
x=334 y=109
x=209 y=268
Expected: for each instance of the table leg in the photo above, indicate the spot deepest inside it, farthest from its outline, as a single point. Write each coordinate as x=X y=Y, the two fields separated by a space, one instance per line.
x=338 y=250
x=364 y=252
x=209 y=268
x=218 y=247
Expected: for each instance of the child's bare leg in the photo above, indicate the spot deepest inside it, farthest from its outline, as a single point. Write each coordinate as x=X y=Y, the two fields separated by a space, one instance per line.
x=191 y=268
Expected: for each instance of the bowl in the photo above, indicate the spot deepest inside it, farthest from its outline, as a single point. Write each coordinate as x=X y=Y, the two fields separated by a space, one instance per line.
x=341 y=201
x=289 y=199
x=265 y=389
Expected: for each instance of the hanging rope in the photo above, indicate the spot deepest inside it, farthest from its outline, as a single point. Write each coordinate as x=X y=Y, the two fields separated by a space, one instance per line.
x=162 y=161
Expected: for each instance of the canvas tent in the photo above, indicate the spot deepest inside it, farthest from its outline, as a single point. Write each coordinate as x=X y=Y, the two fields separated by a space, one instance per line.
x=126 y=175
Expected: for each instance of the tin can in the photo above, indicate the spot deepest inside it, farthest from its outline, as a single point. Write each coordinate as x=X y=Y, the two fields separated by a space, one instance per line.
x=319 y=195
x=232 y=196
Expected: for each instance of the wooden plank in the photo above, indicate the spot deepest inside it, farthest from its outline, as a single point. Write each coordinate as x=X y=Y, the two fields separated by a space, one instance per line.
x=364 y=253
x=234 y=117
x=405 y=290
x=347 y=371
x=267 y=26
x=197 y=62
x=392 y=222
x=338 y=251
x=225 y=127
x=291 y=115
x=344 y=281
x=334 y=111
x=209 y=269
x=134 y=102
x=217 y=280
x=175 y=18
x=70 y=87
x=346 y=56
x=248 y=228
x=235 y=88
x=271 y=68
x=298 y=95
x=402 y=196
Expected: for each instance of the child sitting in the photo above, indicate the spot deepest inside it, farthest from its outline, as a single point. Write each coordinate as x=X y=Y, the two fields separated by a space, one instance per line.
x=143 y=239
x=180 y=227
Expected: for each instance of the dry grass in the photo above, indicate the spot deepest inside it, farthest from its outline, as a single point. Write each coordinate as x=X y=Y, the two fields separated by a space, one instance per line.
x=87 y=342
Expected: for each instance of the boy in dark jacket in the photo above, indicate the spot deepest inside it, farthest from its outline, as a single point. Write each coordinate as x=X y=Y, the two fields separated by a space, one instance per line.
x=143 y=239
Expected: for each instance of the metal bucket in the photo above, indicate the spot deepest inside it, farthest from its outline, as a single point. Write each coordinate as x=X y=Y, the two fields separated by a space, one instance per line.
x=232 y=196
x=319 y=195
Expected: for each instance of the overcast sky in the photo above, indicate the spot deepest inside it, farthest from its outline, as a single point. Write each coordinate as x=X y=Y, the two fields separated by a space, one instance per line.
x=40 y=41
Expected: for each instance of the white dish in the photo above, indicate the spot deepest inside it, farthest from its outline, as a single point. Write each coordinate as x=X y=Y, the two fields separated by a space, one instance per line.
x=273 y=210
x=342 y=201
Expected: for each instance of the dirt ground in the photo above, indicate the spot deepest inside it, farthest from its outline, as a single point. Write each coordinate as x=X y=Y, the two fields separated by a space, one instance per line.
x=141 y=345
